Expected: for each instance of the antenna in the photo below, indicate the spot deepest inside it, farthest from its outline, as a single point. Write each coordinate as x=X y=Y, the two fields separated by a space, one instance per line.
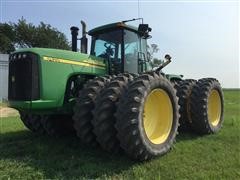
x=138 y=9
x=133 y=20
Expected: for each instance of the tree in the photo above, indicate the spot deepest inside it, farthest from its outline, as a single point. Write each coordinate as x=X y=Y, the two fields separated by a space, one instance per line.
x=152 y=49
x=7 y=36
x=157 y=62
x=27 y=35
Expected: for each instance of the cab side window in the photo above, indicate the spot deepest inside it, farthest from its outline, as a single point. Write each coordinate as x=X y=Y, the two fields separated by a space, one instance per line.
x=131 y=49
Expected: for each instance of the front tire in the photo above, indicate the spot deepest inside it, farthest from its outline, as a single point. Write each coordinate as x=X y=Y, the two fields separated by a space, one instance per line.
x=83 y=109
x=148 y=126
x=104 y=113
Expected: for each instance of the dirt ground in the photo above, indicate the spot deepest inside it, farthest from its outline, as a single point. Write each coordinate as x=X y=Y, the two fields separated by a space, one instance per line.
x=7 y=112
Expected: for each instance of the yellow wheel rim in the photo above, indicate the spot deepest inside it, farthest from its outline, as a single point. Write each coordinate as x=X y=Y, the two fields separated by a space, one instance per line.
x=158 y=116
x=214 y=107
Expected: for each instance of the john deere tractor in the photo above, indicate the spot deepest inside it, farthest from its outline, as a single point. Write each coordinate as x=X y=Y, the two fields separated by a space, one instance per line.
x=112 y=97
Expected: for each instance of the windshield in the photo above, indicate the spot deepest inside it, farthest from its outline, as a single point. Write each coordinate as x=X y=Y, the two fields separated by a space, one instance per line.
x=107 y=45
x=121 y=49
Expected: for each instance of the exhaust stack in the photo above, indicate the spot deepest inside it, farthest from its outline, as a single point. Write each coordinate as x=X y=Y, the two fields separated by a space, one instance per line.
x=74 y=32
x=84 y=40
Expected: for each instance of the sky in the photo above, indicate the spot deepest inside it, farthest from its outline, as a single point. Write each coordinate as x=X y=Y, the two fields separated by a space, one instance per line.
x=201 y=36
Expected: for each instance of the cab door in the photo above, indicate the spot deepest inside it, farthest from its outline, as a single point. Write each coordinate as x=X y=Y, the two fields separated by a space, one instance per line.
x=142 y=56
x=131 y=48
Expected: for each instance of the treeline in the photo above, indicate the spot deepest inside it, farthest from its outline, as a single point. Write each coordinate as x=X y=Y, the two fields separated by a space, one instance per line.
x=26 y=35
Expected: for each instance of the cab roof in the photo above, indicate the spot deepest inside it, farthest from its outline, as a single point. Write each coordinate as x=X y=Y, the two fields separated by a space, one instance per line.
x=112 y=26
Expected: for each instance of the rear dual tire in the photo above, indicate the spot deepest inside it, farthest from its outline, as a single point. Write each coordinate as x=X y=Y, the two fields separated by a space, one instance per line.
x=53 y=125
x=184 y=91
x=58 y=125
x=206 y=106
x=32 y=122
x=201 y=105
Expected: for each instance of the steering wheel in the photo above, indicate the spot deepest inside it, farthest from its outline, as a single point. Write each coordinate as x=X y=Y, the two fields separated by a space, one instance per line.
x=109 y=49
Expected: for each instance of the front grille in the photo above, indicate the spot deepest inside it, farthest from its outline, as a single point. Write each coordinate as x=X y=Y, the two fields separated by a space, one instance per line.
x=23 y=79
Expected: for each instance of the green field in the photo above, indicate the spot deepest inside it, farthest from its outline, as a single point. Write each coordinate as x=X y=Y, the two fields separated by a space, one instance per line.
x=24 y=155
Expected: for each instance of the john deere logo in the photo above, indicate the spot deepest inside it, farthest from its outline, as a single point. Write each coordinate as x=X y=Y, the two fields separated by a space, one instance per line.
x=13 y=78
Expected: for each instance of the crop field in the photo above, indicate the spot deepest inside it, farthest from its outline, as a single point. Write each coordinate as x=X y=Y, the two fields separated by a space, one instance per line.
x=24 y=155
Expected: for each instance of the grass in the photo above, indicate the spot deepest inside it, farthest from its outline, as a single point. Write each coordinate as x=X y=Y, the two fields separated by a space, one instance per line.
x=27 y=156
x=2 y=104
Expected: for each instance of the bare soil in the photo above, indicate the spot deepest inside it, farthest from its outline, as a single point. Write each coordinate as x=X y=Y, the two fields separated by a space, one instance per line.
x=8 y=112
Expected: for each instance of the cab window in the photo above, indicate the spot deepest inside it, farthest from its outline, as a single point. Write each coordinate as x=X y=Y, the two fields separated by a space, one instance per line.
x=131 y=49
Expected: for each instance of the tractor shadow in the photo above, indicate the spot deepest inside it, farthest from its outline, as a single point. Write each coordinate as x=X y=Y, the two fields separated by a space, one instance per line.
x=187 y=136
x=64 y=157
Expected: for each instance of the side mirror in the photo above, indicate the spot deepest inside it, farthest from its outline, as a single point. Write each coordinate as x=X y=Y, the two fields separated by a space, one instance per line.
x=144 y=30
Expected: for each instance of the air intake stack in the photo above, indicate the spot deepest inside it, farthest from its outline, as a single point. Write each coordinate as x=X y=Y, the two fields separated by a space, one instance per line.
x=74 y=32
x=84 y=40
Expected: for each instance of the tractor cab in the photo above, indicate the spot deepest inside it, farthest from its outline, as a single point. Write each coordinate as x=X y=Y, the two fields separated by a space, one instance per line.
x=123 y=47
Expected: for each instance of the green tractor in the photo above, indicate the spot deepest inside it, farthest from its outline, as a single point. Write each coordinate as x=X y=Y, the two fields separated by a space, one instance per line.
x=112 y=97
